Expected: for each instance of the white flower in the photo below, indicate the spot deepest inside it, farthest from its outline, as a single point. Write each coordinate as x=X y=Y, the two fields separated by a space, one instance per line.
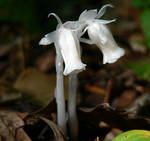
x=100 y=35
x=66 y=41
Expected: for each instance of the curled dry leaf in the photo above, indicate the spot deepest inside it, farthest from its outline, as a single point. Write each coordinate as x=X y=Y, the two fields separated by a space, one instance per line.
x=136 y=42
x=116 y=119
x=38 y=85
x=112 y=134
x=57 y=132
x=140 y=106
x=126 y=98
x=10 y=124
x=46 y=61
x=95 y=89
x=22 y=136
x=5 y=48
x=9 y=97
x=4 y=132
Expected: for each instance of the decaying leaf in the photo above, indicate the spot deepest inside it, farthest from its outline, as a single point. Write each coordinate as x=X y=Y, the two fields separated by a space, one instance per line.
x=112 y=134
x=8 y=97
x=46 y=61
x=57 y=132
x=10 y=127
x=39 y=85
x=140 y=106
x=126 y=98
x=116 y=119
x=22 y=136
x=136 y=42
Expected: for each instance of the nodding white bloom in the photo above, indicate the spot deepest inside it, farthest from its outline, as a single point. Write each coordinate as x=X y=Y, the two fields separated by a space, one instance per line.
x=100 y=35
x=66 y=41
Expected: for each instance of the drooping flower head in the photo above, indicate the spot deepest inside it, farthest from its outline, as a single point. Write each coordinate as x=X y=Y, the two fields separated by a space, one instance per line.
x=66 y=41
x=100 y=35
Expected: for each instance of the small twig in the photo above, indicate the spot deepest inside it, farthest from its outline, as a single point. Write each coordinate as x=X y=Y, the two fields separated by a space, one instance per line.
x=108 y=90
x=41 y=135
x=59 y=136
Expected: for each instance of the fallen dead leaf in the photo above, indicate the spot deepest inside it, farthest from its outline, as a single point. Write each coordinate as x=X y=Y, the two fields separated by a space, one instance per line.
x=116 y=119
x=46 y=61
x=126 y=98
x=22 y=136
x=8 y=97
x=140 y=106
x=95 y=89
x=4 y=132
x=112 y=134
x=57 y=132
x=39 y=85
x=11 y=120
x=10 y=127
x=136 y=42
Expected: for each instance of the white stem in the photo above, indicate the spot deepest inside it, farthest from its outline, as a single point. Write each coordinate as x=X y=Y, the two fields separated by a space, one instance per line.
x=59 y=93
x=73 y=121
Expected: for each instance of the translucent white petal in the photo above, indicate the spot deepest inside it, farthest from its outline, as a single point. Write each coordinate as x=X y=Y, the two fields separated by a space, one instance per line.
x=105 y=21
x=103 y=38
x=74 y=68
x=44 y=41
x=72 y=25
x=88 y=15
x=112 y=53
x=103 y=10
x=82 y=14
x=57 y=18
x=47 y=39
x=75 y=26
x=70 y=50
x=96 y=34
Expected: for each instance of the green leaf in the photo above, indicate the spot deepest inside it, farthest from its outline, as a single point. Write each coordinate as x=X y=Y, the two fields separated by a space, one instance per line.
x=134 y=135
x=142 y=68
x=140 y=3
x=145 y=22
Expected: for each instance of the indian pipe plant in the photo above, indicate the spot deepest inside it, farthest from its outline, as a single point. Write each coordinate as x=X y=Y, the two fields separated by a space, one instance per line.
x=67 y=38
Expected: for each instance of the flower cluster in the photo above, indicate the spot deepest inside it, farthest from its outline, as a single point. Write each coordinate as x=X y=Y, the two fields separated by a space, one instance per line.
x=67 y=38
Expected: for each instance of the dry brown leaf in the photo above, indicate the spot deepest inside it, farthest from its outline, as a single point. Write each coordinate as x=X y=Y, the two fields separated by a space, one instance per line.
x=126 y=98
x=11 y=120
x=39 y=85
x=10 y=124
x=112 y=134
x=4 y=132
x=46 y=61
x=95 y=89
x=57 y=132
x=114 y=118
x=136 y=42
x=21 y=135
